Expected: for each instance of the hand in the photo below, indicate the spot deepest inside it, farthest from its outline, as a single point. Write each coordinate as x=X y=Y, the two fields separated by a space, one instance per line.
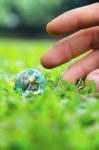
x=85 y=20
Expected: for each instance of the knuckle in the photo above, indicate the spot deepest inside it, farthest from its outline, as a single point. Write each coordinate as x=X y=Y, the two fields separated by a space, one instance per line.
x=93 y=35
x=85 y=33
x=95 y=39
x=96 y=36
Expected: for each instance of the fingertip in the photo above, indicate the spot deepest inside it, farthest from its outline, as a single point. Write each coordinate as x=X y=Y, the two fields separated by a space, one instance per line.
x=53 y=28
x=68 y=76
x=44 y=62
x=50 y=29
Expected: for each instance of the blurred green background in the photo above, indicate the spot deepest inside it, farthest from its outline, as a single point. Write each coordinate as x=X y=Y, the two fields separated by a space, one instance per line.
x=29 y=17
x=64 y=117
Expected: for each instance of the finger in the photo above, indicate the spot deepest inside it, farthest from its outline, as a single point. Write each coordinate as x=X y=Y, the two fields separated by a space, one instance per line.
x=93 y=76
x=82 y=67
x=74 y=20
x=71 y=47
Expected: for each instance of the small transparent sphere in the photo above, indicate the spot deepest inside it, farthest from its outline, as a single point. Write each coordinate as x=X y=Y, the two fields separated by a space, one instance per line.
x=30 y=82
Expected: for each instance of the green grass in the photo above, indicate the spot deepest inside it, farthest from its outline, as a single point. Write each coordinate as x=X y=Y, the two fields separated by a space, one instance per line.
x=63 y=118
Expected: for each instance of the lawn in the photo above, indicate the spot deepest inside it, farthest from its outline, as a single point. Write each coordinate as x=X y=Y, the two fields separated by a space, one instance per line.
x=65 y=117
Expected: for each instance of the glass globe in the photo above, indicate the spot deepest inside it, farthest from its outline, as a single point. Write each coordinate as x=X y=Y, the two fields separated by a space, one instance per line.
x=30 y=82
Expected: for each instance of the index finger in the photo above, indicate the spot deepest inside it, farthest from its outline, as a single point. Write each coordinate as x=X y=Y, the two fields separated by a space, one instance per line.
x=74 y=20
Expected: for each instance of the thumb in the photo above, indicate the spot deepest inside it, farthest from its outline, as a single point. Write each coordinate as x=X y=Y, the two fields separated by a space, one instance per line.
x=93 y=76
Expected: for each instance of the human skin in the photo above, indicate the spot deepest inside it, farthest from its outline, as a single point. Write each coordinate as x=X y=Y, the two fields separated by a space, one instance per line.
x=84 y=22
